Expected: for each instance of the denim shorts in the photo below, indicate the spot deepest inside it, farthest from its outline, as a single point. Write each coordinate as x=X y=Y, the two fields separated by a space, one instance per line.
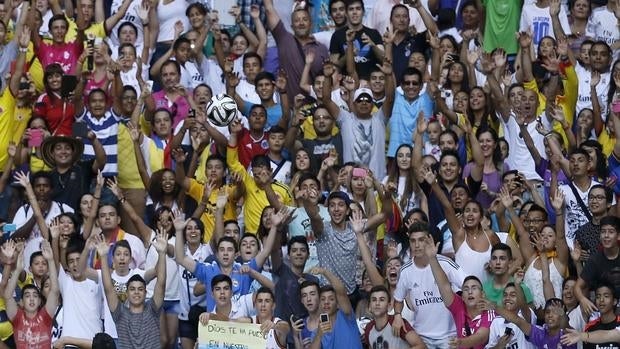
x=172 y=307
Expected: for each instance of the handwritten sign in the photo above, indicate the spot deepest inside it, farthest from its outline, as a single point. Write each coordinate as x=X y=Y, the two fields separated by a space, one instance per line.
x=230 y=335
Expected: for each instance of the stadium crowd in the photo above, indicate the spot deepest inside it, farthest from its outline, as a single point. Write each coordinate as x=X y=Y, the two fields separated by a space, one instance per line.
x=397 y=174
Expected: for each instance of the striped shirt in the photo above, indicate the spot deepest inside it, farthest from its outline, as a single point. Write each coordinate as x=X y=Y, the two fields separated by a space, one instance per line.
x=106 y=130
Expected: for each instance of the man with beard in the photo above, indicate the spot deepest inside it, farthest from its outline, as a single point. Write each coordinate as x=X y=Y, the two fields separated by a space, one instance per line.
x=292 y=48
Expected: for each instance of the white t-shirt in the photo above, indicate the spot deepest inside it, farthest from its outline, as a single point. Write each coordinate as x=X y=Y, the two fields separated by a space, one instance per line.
x=173 y=279
x=189 y=280
x=538 y=20
x=81 y=306
x=518 y=339
x=574 y=216
x=168 y=14
x=130 y=16
x=583 y=96
x=191 y=77
x=519 y=157
x=212 y=75
x=120 y=286
x=603 y=26
x=431 y=317
x=363 y=140
x=23 y=215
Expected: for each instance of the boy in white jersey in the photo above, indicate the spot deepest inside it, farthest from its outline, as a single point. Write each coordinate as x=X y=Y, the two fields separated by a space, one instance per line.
x=275 y=328
x=379 y=330
x=432 y=321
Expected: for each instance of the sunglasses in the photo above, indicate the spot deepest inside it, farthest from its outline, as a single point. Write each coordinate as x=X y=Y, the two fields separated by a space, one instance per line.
x=363 y=99
x=411 y=83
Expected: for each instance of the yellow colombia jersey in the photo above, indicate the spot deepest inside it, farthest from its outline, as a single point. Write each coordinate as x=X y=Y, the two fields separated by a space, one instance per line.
x=196 y=190
x=255 y=198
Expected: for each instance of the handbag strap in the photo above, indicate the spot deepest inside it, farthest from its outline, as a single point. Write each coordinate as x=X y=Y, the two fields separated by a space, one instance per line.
x=582 y=205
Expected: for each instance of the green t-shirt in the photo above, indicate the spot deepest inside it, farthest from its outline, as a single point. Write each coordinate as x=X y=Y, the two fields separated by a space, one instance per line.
x=501 y=24
x=496 y=295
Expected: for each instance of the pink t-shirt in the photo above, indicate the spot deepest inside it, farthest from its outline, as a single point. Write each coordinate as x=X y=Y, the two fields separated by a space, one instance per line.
x=35 y=333
x=465 y=326
x=179 y=108
x=65 y=54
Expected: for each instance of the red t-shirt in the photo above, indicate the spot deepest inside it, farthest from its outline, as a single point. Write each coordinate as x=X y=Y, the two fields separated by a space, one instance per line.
x=35 y=333
x=249 y=147
x=59 y=119
x=65 y=54
x=466 y=326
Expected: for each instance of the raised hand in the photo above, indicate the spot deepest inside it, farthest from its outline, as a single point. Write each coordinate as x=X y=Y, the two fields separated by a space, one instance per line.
x=557 y=201
x=232 y=79
x=499 y=58
x=24 y=37
x=236 y=126
x=386 y=67
x=575 y=253
x=525 y=39
x=179 y=220
x=254 y=11
x=134 y=133
x=358 y=223
x=46 y=250
x=350 y=35
x=179 y=155
x=310 y=57
x=113 y=186
x=430 y=248
x=222 y=199
x=595 y=78
x=143 y=11
x=281 y=217
x=487 y=63
x=472 y=56
x=554 y=7
x=518 y=276
x=161 y=242
x=428 y=175
x=102 y=246
x=178 y=28
x=8 y=249
x=348 y=83
x=505 y=197
x=281 y=80
x=328 y=69
x=23 y=179
x=388 y=36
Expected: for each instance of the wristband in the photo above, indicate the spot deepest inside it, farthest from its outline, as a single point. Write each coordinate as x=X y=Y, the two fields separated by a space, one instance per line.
x=97 y=197
x=23 y=49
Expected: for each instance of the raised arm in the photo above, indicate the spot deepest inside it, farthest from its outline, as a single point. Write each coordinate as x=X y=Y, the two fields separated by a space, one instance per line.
x=51 y=302
x=83 y=267
x=278 y=221
x=559 y=205
x=103 y=248
x=24 y=181
x=443 y=283
x=114 y=19
x=524 y=237
x=9 y=249
x=328 y=71
x=161 y=245
x=272 y=15
x=358 y=225
x=316 y=222
x=143 y=229
x=341 y=292
x=179 y=246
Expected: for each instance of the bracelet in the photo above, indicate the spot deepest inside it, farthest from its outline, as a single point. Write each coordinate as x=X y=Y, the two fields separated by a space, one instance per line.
x=554 y=73
x=123 y=200
x=23 y=49
x=559 y=214
x=97 y=197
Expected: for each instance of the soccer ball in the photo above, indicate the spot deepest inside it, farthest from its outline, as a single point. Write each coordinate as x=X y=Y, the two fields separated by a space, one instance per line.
x=222 y=110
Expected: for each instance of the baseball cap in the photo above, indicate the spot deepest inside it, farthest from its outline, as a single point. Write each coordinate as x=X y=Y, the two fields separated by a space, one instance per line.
x=362 y=91
x=339 y=195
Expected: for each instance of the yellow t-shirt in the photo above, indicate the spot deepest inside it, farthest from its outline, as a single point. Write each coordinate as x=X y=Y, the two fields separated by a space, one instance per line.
x=13 y=121
x=196 y=190
x=128 y=174
x=96 y=30
x=307 y=128
x=255 y=198
x=6 y=329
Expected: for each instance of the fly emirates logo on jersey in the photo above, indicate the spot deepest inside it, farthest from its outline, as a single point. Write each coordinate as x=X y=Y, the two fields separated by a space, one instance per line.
x=428 y=297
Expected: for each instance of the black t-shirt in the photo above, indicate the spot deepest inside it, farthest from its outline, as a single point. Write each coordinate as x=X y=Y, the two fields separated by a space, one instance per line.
x=71 y=185
x=365 y=59
x=319 y=150
x=403 y=50
x=600 y=268
x=589 y=237
x=601 y=326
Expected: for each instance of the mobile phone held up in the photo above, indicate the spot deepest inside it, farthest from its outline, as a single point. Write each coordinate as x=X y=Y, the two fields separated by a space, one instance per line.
x=324 y=317
x=67 y=86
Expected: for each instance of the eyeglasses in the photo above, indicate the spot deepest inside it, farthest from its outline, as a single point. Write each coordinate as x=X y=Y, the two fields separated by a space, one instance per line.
x=598 y=197
x=363 y=100
x=410 y=83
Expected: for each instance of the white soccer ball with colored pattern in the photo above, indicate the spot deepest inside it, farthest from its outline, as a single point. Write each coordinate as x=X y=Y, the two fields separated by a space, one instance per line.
x=222 y=110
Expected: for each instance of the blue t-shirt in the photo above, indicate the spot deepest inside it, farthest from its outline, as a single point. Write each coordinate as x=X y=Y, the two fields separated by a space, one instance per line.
x=274 y=113
x=404 y=117
x=344 y=334
x=241 y=282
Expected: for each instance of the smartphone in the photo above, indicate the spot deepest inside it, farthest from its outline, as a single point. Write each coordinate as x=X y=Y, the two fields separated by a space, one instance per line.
x=615 y=107
x=79 y=130
x=35 y=137
x=508 y=331
x=360 y=172
x=69 y=82
x=324 y=317
x=8 y=228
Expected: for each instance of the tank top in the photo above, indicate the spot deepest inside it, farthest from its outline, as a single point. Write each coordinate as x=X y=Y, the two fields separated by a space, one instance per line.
x=272 y=340
x=533 y=280
x=472 y=262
